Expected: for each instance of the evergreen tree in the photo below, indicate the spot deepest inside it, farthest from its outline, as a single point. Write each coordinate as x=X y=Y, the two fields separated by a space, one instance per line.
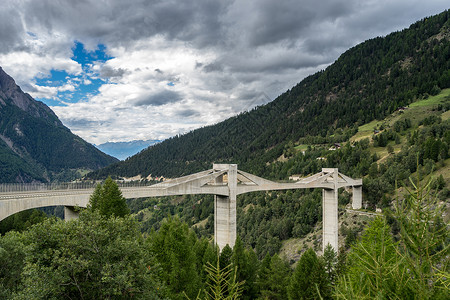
x=425 y=240
x=95 y=198
x=263 y=273
x=225 y=256
x=108 y=200
x=374 y=268
x=330 y=260
x=309 y=280
x=173 y=247
x=277 y=280
x=221 y=283
x=245 y=263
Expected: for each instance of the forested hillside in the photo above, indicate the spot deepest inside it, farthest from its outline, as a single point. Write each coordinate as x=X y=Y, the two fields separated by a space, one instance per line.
x=35 y=145
x=369 y=81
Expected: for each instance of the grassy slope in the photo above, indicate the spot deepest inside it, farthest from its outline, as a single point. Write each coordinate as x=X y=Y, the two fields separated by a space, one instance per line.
x=416 y=112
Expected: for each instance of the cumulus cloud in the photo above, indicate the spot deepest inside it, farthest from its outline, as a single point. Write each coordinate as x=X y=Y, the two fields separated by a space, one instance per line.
x=177 y=65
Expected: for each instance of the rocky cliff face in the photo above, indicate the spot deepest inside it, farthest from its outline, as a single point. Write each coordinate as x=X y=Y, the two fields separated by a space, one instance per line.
x=10 y=92
x=34 y=144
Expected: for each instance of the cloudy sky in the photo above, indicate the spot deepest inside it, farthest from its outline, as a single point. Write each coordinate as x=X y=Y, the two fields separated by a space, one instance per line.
x=116 y=70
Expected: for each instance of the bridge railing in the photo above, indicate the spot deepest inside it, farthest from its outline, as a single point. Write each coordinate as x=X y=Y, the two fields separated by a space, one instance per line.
x=32 y=187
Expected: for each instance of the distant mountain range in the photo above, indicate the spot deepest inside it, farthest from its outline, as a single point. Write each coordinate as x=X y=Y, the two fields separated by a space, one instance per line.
x=122 y=150
x=35 y=145
x=367 y=82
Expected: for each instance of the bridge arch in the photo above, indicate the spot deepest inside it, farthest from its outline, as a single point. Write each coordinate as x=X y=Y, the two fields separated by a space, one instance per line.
x=17 y=202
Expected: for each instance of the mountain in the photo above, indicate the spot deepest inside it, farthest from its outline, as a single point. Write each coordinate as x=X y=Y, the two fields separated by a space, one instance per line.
x=122 y=150
x=367 y=82
x=35 y=145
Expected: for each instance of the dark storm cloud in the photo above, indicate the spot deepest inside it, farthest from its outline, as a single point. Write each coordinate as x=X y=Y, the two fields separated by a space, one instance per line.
x=271 y=21
x=212 y=67
x=108 y=72
x=186 y=113
x=11 y=28
x=120 y=22
x=159 y=99
x=81 y=123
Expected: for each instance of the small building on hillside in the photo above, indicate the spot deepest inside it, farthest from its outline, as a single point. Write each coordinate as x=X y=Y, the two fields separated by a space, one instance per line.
x=335 y=147
x=295 y=177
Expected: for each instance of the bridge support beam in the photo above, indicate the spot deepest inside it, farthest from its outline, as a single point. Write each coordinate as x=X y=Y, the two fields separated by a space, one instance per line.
x=225 y=210
x=357 y=197
x=330 y=224
x=70 y=213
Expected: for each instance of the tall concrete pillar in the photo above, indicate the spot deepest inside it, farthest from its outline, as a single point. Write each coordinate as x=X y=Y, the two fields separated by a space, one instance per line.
x=225 y=211
x=330 y=216
x=357 y=197
x=70 y=213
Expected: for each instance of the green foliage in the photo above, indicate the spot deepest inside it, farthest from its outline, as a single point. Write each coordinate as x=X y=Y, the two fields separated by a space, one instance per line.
x=12 y=254
x=246 y=264
x=330 y=261
x=173 y=248
x=309 y=279
x=92 y=257
x=22 y=220
x=276 y=216
x=374 y=268
x=107 y=199
x=274 y=278
x=222 y=283
x=413 y=269
x=225 y=256
x=425 y=241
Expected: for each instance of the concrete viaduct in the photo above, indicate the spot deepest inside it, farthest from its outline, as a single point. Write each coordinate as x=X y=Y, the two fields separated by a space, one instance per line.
x=224 y=181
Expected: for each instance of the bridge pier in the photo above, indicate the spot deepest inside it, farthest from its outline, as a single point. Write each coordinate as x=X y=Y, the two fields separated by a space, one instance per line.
x=70 y=213
x=225 y=209
x=330 y=224
x=357 y=197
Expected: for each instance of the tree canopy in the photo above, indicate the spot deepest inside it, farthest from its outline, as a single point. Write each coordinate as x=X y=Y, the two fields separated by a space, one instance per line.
x=107 y=199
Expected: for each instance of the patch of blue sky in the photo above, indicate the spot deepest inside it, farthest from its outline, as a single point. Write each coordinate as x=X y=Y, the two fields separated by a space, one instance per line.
x=84 y=57
x=75 y=87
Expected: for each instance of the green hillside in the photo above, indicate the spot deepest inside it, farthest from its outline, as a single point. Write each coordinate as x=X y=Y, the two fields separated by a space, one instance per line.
x=35 y=145
x=290 y=221
x=409 y=138
x=368 y=82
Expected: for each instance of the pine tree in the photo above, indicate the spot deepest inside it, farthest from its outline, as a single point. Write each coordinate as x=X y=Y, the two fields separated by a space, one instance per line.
x=245 y=263
x=309 y=280
x=108 y=200
x=263 y=273
x=277 y=279
x=330 y=260
x=94 y=199
x=173 y=248
x=225 y=256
